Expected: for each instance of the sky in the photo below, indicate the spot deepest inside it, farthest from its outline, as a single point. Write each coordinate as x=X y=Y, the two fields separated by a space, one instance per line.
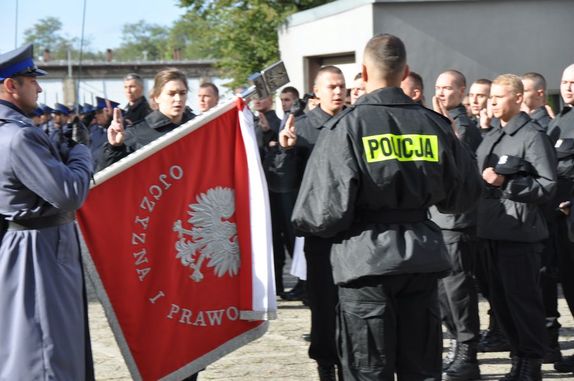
x=104 y=18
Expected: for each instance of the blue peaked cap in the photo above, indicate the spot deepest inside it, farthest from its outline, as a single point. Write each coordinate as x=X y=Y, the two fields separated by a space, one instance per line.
x=60 y=108
x=19 y=62
x=88 y=108
x=101 y=103
x=47 y=109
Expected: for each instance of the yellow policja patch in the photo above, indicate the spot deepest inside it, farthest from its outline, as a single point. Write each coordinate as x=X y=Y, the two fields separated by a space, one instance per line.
x=412 y=147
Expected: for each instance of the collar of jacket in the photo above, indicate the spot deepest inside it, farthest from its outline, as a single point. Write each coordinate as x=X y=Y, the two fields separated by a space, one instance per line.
x=539 y=113
x=12 y=109
x=457 y=111
x=385 y=96
x=158 y=120
x=318 y=117
x=516 y=123
x=565 y=110
x=137 y=103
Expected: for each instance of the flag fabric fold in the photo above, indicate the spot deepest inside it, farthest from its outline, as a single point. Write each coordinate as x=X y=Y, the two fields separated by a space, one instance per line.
x=179 y=244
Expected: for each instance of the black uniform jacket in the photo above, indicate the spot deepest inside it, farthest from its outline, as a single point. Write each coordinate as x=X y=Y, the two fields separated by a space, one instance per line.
x=152 y=127
x=284 y=168
x=470 y=137
x=512 y=212
x=541 y=116
x=375 y=170
x=137 y=112
x=562 y=127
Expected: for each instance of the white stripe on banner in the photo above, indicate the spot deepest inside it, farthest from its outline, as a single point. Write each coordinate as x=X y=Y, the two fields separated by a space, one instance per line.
x=264 y=303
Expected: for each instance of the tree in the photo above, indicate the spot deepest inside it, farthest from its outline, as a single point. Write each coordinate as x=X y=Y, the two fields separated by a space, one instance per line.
x=46 y=34
x=243 y=34
x=144 y=41
x=188 y=34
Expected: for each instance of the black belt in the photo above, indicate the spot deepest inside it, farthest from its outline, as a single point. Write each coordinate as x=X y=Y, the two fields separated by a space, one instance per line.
x=41 y=222
x=394 y=216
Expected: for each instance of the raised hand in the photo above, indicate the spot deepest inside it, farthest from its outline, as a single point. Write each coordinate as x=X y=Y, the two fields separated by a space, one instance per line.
x=288 y=135
x=116 y=132
x=439 y=108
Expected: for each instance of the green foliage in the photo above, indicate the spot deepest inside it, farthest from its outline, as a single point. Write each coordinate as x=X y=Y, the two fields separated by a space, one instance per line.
x=47 y=34
x=240 y=34
x=143 y=41
x=243 y=34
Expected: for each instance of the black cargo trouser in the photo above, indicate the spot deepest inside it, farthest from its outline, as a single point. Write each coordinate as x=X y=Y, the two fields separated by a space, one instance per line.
x=281 y=205
x=516 y=296
x=565 y=251
x=549 y=276
x=457 y=292
x=388 y=325
x=322 y=296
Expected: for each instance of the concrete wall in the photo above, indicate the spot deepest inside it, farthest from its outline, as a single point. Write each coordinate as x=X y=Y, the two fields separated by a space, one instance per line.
x=338 y=33
x=480 y=38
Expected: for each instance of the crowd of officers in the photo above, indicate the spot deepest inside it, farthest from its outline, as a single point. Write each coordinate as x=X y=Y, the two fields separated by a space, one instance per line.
x=58 y=120
x=407 y=213
x=358 y=177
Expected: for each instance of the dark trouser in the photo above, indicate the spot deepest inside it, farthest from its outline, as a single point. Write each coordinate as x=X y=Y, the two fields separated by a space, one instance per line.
x=281 y=205
x=388 y=325
x=549 y=276
x=516 y=297
x=322 y=294
x=566 y=262
x=457 y=292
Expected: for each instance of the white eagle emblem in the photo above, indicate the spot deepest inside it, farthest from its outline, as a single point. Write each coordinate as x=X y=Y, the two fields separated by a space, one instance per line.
x=212 y=236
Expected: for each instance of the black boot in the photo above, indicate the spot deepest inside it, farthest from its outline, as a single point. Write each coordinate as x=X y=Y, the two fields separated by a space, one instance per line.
x=514 y=373
x=465 y=365
x=530 y=370
x=493 y=339
x=450 y=355
x=296 y=293
x=553 y=354
x=327 y=372
x=566 y=365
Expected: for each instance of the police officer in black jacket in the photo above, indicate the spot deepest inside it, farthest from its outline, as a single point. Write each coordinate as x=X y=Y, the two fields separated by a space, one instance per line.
x=511 y=223
x=457 y=291
x=561 y=132
x=138 y=107
x=374 y=172
x=298 y=140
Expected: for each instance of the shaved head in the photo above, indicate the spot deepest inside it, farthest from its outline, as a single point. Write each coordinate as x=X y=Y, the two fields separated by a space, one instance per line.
x=385 y=59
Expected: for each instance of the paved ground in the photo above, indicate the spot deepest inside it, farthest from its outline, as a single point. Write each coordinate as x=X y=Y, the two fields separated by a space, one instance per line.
x=281 y=354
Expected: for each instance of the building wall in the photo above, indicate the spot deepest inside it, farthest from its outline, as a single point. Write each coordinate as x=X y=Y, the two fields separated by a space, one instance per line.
x=339 y=33
x=481 y=38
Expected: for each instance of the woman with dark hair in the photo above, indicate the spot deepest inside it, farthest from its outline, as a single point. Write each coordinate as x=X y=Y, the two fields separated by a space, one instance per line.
x=170 y=94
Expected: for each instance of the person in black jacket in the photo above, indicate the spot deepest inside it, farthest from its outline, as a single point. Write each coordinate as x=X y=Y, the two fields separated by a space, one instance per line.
x=534 y=102
x=138 y=107
x=297 y=141
x=561 y=132
x=170 y=93
x=457 y=291
x=511 y=223
x=374 y=172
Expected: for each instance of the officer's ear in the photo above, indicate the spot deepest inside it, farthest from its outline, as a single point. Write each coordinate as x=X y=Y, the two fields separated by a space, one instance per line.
x=9 y=85
x=406 y=72
x=364 y=74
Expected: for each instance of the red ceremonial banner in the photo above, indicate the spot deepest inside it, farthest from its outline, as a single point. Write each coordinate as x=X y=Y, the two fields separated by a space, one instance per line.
x=171 y=249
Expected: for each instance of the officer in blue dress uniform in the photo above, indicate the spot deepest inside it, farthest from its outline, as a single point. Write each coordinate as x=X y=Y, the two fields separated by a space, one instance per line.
x=43 y=320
